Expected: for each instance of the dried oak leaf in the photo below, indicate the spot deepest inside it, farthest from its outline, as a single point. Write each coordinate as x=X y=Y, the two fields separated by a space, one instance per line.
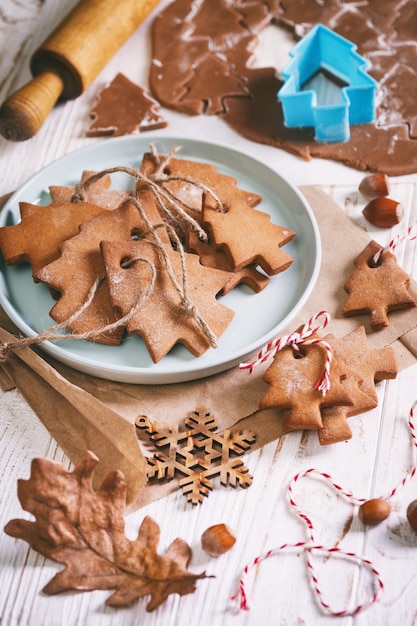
x=84 y=530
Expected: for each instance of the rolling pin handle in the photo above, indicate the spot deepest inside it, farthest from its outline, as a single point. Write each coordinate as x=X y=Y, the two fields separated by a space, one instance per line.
x=24 y=112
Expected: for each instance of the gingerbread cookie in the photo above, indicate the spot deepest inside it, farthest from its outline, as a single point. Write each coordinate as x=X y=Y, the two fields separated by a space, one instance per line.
x=137 y=273
x=355 y=368
x=98 y=192
x=377 y=289
x=181 y=172
x=259 y=242
x=93 y=264
x=292 y=379
x=213 y=256
x=74 y=273
x=202 y=63
x=225 y=211
x=123 y=108
x=53 y=224
x=368 y=366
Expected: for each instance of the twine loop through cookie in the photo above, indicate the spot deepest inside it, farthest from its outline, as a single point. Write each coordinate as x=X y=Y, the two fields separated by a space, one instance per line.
x=312 y=549
x=53 y=332
x=295 y=340
x=165 y=198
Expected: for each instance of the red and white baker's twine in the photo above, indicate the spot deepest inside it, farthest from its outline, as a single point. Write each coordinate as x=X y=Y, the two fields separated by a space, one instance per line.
x=311 y=548
x=409 y=235
x=295 y=340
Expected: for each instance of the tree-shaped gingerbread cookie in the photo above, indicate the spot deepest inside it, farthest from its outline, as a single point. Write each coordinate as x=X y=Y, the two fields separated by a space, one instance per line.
x=377 y=288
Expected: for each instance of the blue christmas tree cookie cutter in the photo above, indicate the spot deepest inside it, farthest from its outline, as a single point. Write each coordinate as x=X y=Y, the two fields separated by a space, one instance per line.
x=326 y=86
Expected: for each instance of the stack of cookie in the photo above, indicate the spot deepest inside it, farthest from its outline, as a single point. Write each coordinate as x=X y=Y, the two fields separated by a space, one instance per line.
x=152 y=261
x=355 y=370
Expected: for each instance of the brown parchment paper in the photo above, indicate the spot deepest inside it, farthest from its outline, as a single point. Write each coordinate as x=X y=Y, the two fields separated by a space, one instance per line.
x=231 y=396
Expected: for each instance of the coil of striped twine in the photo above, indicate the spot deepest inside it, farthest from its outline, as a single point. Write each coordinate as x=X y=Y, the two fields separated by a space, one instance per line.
x=313 y=549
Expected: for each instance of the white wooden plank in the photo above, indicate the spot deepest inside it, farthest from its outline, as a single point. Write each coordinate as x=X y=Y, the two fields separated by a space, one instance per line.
x=376 y=458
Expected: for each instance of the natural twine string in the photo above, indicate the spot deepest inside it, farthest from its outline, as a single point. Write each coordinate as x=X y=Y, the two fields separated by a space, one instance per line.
x=52 y=333
x=312 y=549
x=295 y=341
x=181 y=288
x=165 y=198
x=156 y=182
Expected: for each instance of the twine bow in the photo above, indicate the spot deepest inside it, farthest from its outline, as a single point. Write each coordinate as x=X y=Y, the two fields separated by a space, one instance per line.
x=295 y=341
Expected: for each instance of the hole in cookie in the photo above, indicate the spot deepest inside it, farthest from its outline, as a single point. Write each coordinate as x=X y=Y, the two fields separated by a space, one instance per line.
x=136 y=235
x=298 y=354
x=127 y=262
x=167 y=171
x=372 y=264
x=208 y=239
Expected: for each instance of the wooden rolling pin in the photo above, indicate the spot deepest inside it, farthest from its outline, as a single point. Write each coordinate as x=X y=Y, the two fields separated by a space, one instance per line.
x=69 y=60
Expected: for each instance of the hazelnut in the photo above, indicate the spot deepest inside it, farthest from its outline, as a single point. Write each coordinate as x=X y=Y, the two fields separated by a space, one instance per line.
x=374 y=186
x=383 y=212
x=373 y=512
x=217 y=539
x=412 y=514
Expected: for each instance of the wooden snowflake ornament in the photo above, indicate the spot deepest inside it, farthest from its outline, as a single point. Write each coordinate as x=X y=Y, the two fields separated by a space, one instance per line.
x=198 y=453
x=377 y=289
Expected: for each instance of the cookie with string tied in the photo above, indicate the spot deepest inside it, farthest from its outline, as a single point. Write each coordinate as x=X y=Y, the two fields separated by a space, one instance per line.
x=96 y=189
x=178 y=295
x=377 y=286
x=224 y=209
x=367 y=366
x=80 y=264
x=304 y=376
x=292 y=378
x=317 y=382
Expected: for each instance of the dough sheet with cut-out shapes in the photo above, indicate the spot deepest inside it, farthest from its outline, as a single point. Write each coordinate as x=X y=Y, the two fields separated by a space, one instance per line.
x=201 y=64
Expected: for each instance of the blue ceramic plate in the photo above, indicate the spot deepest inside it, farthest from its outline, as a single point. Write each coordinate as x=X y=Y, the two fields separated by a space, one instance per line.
x=258 y=317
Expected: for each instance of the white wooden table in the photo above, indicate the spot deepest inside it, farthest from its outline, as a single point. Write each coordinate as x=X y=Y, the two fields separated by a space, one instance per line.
x=377 y=457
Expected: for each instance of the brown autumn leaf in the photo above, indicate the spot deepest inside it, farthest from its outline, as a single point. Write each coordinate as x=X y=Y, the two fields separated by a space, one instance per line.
x=84 y=530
